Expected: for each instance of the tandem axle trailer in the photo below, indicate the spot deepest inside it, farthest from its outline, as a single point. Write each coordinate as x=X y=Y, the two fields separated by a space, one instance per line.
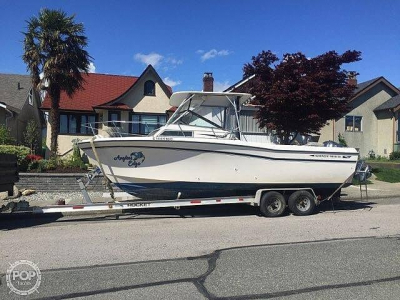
x=271 y=201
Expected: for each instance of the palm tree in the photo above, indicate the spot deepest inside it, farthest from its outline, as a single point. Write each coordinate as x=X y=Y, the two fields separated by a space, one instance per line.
x=55 y=56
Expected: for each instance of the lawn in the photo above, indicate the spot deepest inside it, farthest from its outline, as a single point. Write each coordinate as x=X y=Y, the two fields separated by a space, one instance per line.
x=396 y=161
x=387 y=174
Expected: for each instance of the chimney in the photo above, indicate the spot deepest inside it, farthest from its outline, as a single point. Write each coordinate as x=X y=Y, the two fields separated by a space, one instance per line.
x=352 y=78
x=19 y=85
x=208 y=82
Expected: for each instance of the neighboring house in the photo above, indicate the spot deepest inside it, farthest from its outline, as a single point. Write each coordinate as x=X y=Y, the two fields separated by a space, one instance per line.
x=372 y=124
x=19 y=104
x=110 y=99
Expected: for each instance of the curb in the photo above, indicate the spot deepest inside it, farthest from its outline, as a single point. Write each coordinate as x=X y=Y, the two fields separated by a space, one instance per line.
x=369 y=197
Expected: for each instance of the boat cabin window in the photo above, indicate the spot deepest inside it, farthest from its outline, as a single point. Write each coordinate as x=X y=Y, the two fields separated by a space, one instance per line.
x=177 y=133
x=194 y=114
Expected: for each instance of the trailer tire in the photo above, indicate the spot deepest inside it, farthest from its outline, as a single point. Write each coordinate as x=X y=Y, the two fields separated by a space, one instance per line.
x=301 y=203
x=272 y=204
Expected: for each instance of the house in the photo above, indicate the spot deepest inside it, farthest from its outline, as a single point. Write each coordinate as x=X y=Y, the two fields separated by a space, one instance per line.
x=19 y=103
x=106 y=102
x=372 y=123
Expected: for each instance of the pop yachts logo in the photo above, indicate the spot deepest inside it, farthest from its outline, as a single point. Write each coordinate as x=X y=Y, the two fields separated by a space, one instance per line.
x=134 y=159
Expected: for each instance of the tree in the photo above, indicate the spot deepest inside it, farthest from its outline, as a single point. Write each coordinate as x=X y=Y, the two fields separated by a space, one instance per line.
x=342 y=140
x=298 y=95
x=55 y=56
x=5 y=136
x=31 y=135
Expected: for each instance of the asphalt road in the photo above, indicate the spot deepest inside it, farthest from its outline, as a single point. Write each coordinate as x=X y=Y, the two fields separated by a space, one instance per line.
x=352 y=252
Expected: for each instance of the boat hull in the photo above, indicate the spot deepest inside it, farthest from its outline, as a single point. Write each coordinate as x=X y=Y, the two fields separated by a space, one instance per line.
x=160 y=169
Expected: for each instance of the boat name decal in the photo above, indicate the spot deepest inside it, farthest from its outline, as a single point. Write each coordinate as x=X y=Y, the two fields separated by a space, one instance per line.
x=330 y=156
x=134 y=159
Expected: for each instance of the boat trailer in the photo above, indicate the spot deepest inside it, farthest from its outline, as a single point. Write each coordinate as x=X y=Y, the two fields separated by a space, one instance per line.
x=272 y=201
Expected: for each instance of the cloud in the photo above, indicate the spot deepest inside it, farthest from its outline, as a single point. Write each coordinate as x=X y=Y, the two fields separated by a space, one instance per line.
x=212 y=53
x=173 y=61
x=170 y=82
x=221 y=86
x=149 y=59
x=156 y=59
x=92 y=68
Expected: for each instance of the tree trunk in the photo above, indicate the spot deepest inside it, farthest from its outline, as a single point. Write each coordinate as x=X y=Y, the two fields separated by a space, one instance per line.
x=54 y=119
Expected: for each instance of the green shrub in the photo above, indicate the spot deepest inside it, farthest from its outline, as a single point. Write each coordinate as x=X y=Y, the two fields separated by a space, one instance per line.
x=5 y=136
x=50 y=164
x=75 y=160
x=73 y=163
x=394 y=155
x=33 y=165
x=36 y=163
x=32 y=135
x=20 y=151
x=342 y=140
x=42 y=165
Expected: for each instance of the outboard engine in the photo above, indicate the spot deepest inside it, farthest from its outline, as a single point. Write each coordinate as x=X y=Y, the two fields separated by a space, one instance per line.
x=363 y=171
x=331 y=144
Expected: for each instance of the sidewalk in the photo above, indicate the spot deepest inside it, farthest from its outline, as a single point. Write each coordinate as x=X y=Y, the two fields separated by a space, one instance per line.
x=378 y=189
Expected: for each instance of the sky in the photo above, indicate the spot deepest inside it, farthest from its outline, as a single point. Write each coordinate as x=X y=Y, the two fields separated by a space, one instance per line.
x=183 y=39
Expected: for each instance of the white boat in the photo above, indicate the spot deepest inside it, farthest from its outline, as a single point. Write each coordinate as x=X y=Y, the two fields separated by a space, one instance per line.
x=201 y=153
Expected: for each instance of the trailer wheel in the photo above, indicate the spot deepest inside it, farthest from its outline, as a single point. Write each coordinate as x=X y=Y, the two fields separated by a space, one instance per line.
x=301 y=203
x=272 y=204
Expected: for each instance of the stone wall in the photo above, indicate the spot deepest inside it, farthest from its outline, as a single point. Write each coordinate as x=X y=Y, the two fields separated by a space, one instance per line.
x=56 y=182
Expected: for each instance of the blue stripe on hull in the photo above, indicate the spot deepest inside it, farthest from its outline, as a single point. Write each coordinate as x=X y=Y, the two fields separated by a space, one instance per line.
x=170 y=190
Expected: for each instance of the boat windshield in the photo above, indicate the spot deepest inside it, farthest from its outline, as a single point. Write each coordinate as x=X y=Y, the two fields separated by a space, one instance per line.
x=194 y=114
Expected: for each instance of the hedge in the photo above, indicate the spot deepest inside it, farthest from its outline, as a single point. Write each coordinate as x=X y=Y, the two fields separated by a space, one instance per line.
x=394 y=155
x=20 y=151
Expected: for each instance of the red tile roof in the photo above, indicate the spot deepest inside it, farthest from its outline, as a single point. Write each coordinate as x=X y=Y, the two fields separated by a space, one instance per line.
x=97 y=90
x=116 y=106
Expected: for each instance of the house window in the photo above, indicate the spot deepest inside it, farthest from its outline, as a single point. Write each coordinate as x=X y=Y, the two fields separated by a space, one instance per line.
x=146 y=123
x=88 y=122
x=398 y=128
x=114 y=118
x=149 y=88
x=77 y=123
x=30 y=97
x=353 y=123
